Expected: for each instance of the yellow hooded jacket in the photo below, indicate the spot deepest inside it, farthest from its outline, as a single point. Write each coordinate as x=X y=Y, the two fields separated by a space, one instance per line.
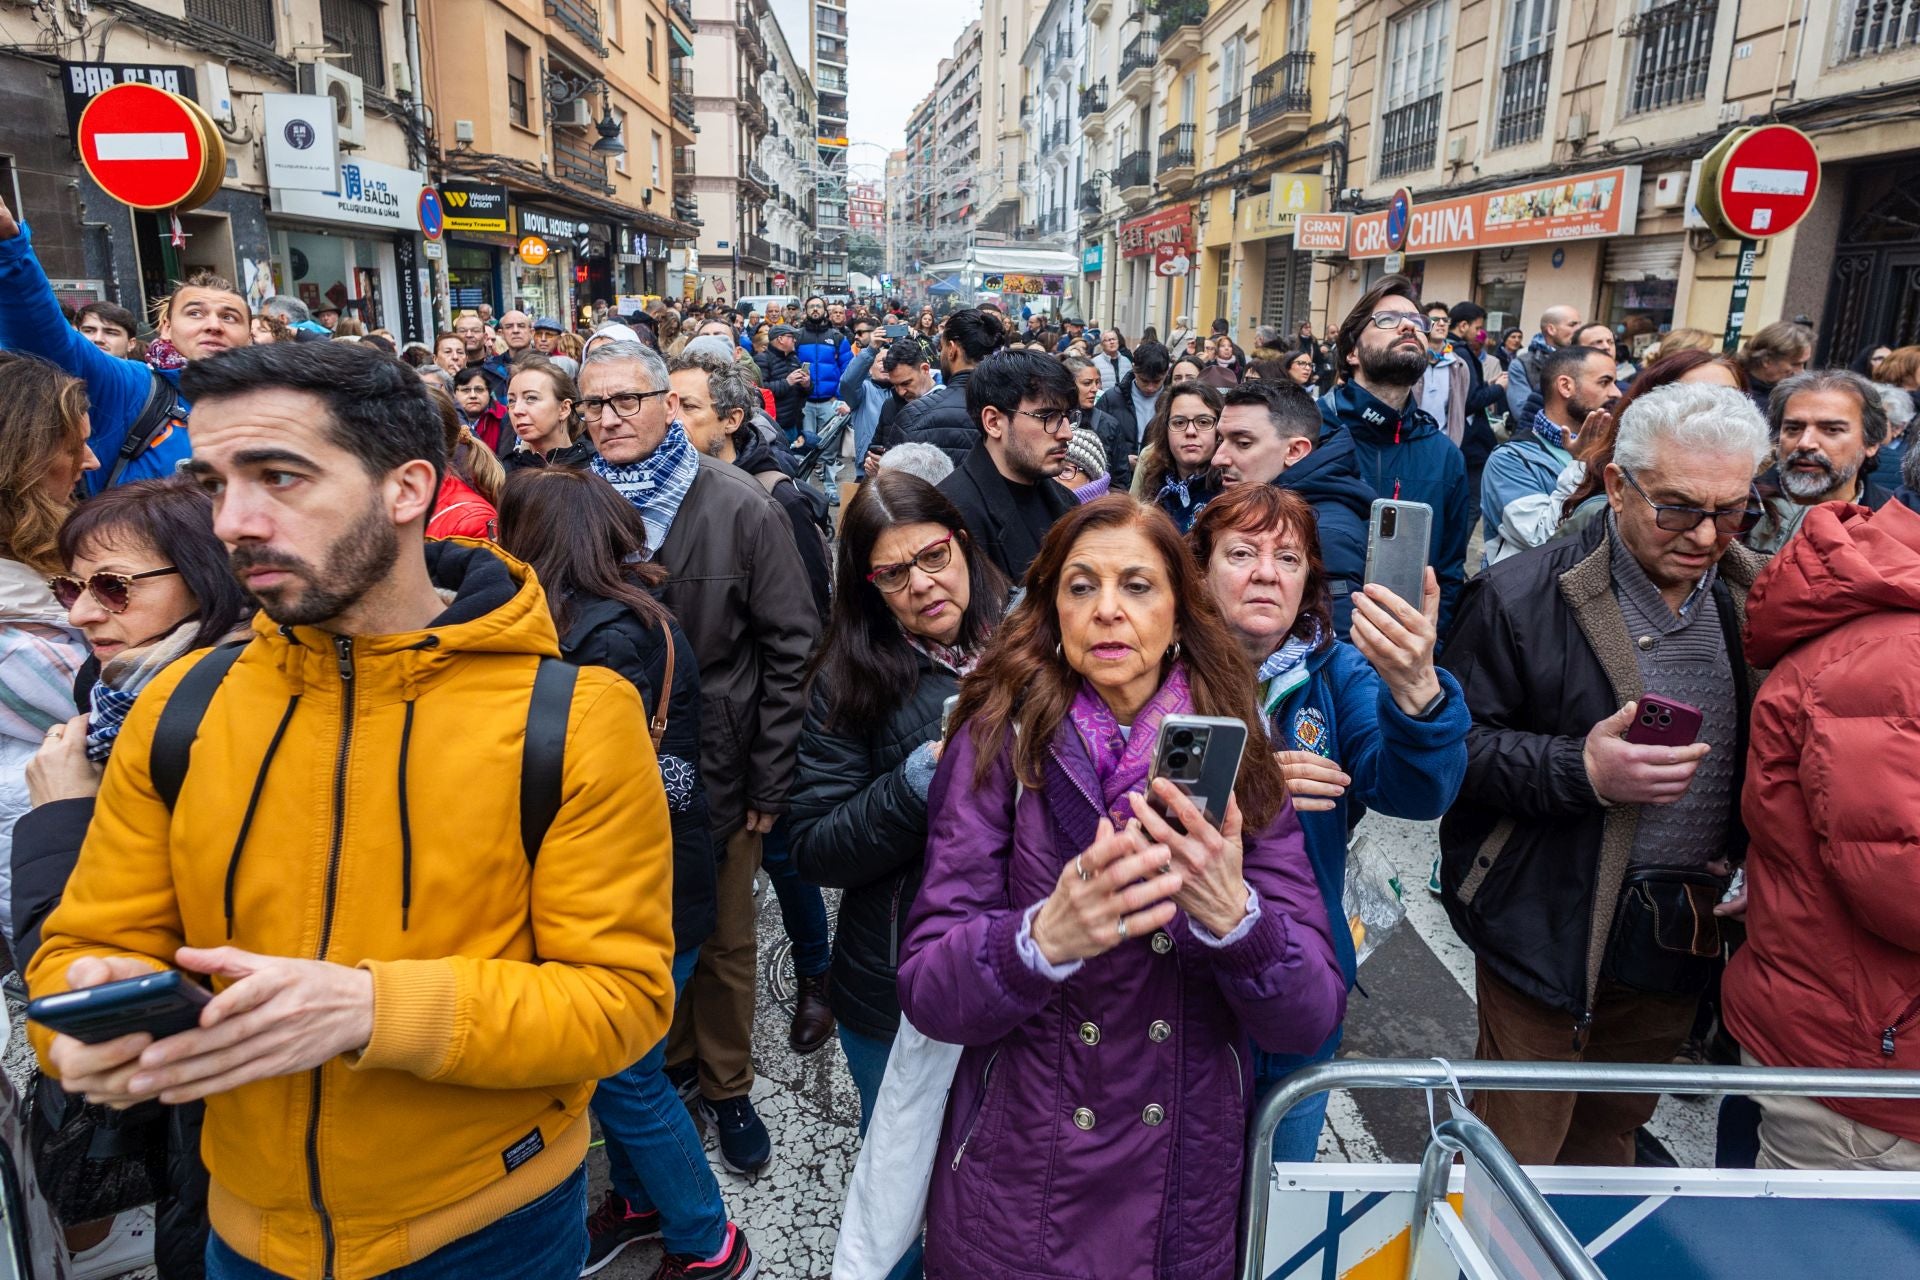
x=386 y=835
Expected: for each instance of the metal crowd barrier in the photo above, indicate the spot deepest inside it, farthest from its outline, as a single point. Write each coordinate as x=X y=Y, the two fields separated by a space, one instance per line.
x=1533 y=1077
x=1468 y=1134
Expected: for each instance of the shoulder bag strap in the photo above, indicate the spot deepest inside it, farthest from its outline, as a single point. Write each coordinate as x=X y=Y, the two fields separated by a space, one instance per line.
x=543 y=759
x=663 y=697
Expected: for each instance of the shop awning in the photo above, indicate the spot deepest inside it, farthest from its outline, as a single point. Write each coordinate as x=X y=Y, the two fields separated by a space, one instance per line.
x=681 y=45
x=948 y=285
x=1029 y=261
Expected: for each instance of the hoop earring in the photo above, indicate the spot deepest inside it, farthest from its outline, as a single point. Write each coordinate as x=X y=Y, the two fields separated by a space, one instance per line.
x=1173 y=654
x=1058 y=655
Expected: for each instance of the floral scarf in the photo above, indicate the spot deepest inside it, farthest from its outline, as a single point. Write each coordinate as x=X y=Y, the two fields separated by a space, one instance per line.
x=1121 y=760
x=959 y=661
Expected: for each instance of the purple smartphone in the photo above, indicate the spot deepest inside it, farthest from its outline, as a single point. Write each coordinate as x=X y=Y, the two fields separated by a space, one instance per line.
x=1662 y=722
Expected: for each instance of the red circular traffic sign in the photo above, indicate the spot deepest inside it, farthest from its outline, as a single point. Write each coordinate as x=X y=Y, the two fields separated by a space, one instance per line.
x=1766 y=180
x=151 y=149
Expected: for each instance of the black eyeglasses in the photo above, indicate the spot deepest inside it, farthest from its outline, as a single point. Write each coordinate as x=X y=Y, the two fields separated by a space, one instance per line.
x=1200 y=424
x=625 y=403
x=1051 y=421
x=1734 y=520
x=114 y=591
x=931 y=558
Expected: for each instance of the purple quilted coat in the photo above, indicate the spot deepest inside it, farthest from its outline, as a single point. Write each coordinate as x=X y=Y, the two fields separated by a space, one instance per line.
x=1097 y=1125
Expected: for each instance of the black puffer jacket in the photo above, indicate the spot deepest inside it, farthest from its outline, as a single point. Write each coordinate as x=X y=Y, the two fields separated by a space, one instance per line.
x=940 y=418
x=789 y=398
x=859 y=826
x=608 y=633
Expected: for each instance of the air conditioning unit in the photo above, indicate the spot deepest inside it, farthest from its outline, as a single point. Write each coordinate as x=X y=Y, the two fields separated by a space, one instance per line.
x=349 y=96
x=577 y=114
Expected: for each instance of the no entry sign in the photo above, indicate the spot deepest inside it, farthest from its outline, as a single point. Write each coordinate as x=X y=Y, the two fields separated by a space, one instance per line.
x=1757 y=183
x=150 y=149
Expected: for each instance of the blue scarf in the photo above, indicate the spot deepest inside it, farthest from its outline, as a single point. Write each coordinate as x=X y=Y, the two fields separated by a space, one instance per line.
x=1552 y=432
x=1286 y=669
x=121 y=681
x=657 y=484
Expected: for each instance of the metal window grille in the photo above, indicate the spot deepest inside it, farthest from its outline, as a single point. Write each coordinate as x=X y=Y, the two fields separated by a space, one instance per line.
x=1523 y=100
x=1674 y=52
x=1409 y=136
x=353 y=27
x=1878 y=26
x=252 y=19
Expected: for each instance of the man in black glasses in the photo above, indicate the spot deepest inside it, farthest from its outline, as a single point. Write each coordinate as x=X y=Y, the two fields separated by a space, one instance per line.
x=1828 y=425
x=1610 y=698
x=1022 y=403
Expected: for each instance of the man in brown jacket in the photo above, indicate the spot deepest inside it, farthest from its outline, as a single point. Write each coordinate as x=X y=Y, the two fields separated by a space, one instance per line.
x=736 y=584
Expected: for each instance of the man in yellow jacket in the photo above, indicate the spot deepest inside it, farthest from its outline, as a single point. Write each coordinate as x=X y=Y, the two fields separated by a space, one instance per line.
x=411 y=1007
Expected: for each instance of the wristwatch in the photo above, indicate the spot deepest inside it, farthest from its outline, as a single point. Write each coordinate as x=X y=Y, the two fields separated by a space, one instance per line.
x=1433 y=706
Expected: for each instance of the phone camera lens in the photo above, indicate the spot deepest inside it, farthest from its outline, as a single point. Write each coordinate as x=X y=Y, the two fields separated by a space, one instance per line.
x=1183 y=738
x=1665 y=719
x=1389 y=521
x=1177 y=760
x=1646 y=717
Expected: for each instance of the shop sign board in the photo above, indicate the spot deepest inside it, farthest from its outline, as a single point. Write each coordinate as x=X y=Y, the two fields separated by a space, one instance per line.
x=1277 y=209
x=82 y=82
x=1321 y=232
x=1168 y=229
x=1007 y=282
x=1582 y=206
x=1757 y=183
x=1093 y=259
x=370 y=194
x=555 y=227
x=533 y=250
x=302 y=141
x=151 y=149
x=474 y=206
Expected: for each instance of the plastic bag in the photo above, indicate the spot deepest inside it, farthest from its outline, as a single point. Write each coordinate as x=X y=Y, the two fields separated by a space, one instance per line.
x=1372 y=901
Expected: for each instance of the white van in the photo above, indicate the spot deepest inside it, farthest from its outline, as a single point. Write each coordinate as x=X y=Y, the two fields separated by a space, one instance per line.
x=765 y=303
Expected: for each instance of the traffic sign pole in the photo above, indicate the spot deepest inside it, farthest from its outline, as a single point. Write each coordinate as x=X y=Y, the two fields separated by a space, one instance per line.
x=1737 y=307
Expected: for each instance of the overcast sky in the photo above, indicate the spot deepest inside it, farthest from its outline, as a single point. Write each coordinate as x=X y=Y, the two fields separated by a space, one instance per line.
x=894 y=52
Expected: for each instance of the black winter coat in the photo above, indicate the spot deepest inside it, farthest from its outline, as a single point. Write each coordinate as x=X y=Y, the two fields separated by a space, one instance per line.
x=1120 y=431
x=1531 y=863
x=765 y=463
x=789 y=398
x=939 y=418
x=980 y=492
x=608 y=633
x=576 y=455
x=858 y=826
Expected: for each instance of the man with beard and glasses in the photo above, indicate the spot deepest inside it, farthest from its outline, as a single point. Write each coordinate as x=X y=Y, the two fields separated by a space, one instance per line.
x=415 y=992
x=1381 y=352
x=1827 y=426
x=1022 y=405
x=1516 y=489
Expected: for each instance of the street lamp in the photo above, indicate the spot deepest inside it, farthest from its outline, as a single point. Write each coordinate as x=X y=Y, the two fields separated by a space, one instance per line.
x=559 y=91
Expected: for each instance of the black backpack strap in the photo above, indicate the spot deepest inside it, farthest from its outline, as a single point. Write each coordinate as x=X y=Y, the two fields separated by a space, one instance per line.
x=162 y=407
x=544 y=757
x=180 y=719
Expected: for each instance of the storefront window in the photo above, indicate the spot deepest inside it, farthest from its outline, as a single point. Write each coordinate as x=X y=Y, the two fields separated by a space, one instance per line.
x=539 y=290
x=1502 y=301
x=338 y=269
x=1639 y=311
x=470 y=277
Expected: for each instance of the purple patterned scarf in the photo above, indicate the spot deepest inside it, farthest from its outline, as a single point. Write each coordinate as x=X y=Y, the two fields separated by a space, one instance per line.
x=1121 y=761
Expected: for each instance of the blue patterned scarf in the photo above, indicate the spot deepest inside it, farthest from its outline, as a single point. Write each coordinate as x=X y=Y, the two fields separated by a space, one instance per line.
x=1553 y=433
x=1286 y=669
x=122 y=679
x=657 y=484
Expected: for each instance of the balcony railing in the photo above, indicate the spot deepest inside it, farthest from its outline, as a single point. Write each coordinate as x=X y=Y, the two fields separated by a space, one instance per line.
x=680 y=94
x=1869 y=27
x=1056 y=136
x=1093 y=99
x=755 y=249
x=1409 y=137
x=1282 y=86
x=577 y=164
x=1523 y=100
x=683 y=9
x=582 y=19
x=1181 y=13
x=1675 y=50
x=752 y=43
x=1176 y=148
x=1134 y=170
x=1140 y=54
x=1228 y=116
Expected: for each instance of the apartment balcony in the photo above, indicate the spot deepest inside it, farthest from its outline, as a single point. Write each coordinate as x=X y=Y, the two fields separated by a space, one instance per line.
x=1090 y=202
x=687 y=209
x=1179 y=29
x=574 y=161
x=1175 y=169
x=1133 y=177
x=683 y=10
x=1281 y=102
x=1523 y=100
x=1409 y=138
x=1872 y=27
x=680 y=103
x=753 y=112
x=1097 y=10
x=581 y=20
x=755 y=251
x=753 y=45
x=754 y=183
x=1093 y=105
x=1674 y=49
x=1136 y=67
x=1228 y=116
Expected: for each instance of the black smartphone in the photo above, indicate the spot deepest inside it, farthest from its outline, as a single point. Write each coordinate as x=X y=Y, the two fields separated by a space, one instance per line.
x=161 y=1004
x=1201 y=756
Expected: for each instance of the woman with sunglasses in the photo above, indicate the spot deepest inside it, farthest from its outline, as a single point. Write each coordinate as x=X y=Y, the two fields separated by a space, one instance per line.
x=1176 y=459
x=912 y=608
x=43 y=453
x=540 y=402
x=146 y=581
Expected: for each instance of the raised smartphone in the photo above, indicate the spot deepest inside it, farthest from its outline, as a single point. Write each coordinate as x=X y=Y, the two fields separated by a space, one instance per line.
x=946 y=714
x=1201 y=756
x=161 y=1004
x=1397 y=537
x=1662 y=722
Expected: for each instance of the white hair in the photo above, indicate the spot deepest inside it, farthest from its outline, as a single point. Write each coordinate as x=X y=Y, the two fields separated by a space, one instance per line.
x=1698 y=418
x=918 y=459
x=1899 y=406
x=652 y=367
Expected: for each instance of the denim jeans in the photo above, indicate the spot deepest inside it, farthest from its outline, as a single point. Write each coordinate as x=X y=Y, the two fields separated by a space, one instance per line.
x=802 y=910
x=654 y=1153
x=867 y=1064
x=1298 y=1138
x=543 y=1240
x=817 y=414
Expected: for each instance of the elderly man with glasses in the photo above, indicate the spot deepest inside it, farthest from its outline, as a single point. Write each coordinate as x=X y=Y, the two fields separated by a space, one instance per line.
x=1610 y=697
x=736 y=583
x=1022 y=404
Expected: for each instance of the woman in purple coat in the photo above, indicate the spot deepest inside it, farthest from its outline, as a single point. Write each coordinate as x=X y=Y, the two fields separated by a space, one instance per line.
x=1104 y=971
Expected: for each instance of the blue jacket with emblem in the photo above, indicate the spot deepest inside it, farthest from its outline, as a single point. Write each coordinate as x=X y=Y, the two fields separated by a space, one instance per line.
x=826 y=352
x=1406 y=456
x=1400 y=766
x=117 y=390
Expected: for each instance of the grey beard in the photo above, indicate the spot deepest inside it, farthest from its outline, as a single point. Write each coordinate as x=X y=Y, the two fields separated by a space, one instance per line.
x=1804 y=487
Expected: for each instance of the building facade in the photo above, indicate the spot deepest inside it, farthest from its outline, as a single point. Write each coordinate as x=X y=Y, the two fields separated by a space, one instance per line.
x=790 y=160
x=1005 y=28
x=730 y=186
x=1051 y=67
x=830 y=82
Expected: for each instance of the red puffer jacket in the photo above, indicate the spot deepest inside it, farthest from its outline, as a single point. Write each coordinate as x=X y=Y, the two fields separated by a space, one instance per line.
x=1830 y=976
x=460 y=512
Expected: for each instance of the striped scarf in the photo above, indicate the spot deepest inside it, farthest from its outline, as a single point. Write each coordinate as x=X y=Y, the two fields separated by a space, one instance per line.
x=1286 y=669
x=657 y=484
